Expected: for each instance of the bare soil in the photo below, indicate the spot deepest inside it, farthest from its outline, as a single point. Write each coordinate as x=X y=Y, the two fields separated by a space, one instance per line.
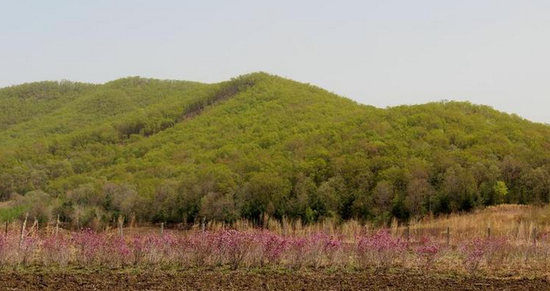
x=253 y=280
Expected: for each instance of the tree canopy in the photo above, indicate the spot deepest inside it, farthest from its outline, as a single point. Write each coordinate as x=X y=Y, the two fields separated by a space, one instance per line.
x=257 y=145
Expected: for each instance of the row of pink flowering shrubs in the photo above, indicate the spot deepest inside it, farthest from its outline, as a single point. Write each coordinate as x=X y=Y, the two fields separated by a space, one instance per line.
x=258 y=249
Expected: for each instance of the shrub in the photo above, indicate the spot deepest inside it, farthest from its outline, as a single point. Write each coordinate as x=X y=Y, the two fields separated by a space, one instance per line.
x=88 y=245
x=472 y=253
x=55 y=250
x=4 y=251
x=428 y=252
x=27 y=249
x=380 y=250
x=232 y=247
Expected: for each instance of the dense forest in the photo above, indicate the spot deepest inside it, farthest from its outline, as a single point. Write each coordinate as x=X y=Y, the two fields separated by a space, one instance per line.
x=257 y=145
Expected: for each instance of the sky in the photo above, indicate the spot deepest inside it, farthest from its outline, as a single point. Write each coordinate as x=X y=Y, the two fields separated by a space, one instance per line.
x=381 y=53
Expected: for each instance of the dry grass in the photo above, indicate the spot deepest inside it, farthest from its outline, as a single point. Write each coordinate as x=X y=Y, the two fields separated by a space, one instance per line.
x=6 y=204
x=519 y=223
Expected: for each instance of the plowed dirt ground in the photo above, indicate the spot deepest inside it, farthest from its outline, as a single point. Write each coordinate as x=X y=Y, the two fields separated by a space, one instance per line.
x=243 y=280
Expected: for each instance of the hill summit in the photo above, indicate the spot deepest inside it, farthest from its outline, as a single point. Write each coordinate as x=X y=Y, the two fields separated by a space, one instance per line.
x=256 y=145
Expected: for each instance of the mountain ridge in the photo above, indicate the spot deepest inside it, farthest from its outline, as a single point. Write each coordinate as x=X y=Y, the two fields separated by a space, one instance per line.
x=255 y=145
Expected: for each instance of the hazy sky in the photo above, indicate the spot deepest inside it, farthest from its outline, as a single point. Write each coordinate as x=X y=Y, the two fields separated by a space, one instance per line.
x=381 y=53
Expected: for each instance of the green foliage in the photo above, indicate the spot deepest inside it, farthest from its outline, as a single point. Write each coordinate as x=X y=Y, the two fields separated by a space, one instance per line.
x=12 y=213
x=258 y=145
x=501 y=191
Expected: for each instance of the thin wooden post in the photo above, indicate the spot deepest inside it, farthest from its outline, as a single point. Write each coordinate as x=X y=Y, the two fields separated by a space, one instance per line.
x=6 y=230
x=132 y=220
x=535 y=236
x=120 y=224
x=408 y=233
x=57 y=225
x=204 y=224
x=489 y=231
x=161 y=228
x=448 y=236
x=23 y=227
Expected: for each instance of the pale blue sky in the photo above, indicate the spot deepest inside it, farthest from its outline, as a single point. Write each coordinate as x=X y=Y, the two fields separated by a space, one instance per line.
x=381 y=53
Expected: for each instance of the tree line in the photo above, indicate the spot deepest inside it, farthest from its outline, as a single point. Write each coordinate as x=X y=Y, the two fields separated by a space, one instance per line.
x=172 y=151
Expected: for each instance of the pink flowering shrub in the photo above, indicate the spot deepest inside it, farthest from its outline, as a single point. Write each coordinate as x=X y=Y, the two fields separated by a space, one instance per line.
x=88 y=245
x=270 y=249
x=26 y=250
x=200 y=249
x=492 y=251
x=497 y=250
x=4 y=249
x=297 y=252
x=323 y=249
x=472 y=253
x=428 y=252
x=115 y=251
x=101 y=249
x=332 y=250
x=311 y=251
x=151 y=249
x=259 y=248
x=140 y=248
x=380 y=250
x=56 y=250
x=231 y=247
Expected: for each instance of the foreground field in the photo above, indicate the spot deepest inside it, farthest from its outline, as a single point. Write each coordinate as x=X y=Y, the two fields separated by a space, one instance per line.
x=499 y=248
x=378 y=250
x=255 y=280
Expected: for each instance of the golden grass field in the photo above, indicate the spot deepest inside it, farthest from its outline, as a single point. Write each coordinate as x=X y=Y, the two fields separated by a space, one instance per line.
x=520 y=223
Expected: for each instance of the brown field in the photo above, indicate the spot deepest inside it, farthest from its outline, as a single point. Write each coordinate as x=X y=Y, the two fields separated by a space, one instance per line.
x=255 y=280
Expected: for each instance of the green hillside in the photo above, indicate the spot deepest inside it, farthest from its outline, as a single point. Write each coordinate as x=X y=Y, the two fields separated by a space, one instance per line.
x=258 y=144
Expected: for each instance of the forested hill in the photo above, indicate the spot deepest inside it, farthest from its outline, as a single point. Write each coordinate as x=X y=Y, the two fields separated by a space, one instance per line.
x=258 y=144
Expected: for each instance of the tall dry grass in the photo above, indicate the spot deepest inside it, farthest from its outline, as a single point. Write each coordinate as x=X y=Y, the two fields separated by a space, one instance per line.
x=519 y=223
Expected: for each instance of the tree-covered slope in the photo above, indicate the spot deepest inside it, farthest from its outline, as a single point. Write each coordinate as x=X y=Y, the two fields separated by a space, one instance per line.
x=258 y=144
x=21 y=103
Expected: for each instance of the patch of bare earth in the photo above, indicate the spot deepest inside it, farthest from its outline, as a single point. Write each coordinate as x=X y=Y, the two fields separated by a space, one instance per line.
x=242 y=280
